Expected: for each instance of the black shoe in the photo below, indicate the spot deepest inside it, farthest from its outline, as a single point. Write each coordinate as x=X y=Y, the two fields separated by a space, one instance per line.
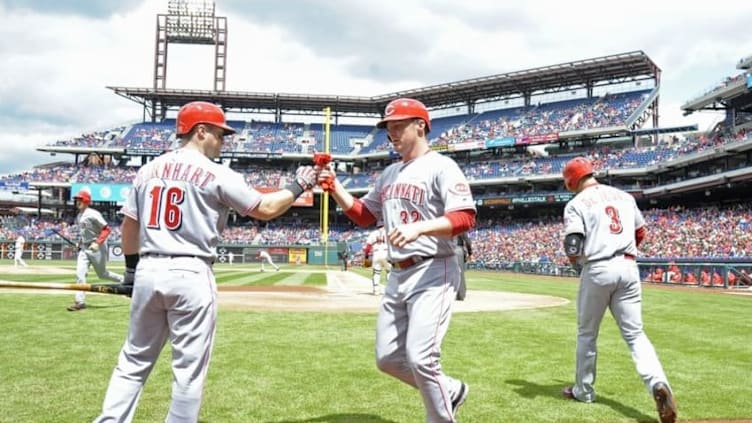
x=76 y=307
x=460 y=398
x=665 y=403
x=568 y=393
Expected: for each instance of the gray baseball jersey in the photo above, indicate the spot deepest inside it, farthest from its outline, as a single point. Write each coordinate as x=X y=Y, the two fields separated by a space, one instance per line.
x=421 y=189
x=182 y=200
x=609 y=217
x=610 y=279
x=90 y=224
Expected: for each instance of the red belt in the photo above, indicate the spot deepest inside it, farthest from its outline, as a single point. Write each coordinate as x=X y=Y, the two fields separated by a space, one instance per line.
x=629 y=257
x=409 y=262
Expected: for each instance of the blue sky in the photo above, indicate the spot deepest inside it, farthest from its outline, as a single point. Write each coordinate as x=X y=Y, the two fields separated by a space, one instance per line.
x=57 y=56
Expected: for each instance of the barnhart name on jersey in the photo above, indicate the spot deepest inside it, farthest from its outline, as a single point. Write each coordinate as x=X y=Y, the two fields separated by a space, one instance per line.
x=175 y=171
x=402 y=191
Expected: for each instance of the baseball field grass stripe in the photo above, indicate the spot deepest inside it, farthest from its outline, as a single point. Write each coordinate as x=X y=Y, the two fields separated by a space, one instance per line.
x=231 y=277
x=39 y=278
x=294 y=279
x=315 y=279
x=252 y=278
x=319 y=367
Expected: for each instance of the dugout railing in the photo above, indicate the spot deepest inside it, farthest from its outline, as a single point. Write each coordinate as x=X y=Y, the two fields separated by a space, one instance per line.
x=706 y=273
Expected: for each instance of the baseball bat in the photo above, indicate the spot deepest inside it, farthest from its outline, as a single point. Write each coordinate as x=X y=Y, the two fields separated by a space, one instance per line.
x=102 y=288
x=65 y=238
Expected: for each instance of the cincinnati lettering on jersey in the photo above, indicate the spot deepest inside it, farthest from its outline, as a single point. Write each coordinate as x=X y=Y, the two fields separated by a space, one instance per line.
x=402 y=191
x=176 y=171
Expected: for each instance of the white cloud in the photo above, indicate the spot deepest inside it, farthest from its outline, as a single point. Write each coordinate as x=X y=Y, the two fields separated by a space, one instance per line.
x=56 y=58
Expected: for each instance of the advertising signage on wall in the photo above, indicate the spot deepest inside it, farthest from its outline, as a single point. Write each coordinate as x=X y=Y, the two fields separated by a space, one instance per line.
x=538 y=139
x=14 y=186
x=527 y=199
x=116 y=193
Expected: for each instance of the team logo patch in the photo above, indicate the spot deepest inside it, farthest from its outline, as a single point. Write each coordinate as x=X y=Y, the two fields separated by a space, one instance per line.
x=460 y=188
x=389 y=110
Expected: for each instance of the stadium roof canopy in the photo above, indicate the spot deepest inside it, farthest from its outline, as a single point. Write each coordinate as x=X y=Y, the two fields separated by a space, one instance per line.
x=599 y=71
x=667 y=130
x=734 y=92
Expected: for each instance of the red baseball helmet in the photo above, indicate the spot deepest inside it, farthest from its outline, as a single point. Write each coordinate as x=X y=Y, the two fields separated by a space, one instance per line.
x=197 y=112
x=84 y=196
x=405 y=108
x=575 y=170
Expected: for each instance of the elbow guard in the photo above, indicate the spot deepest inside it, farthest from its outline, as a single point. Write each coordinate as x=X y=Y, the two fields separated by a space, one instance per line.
x=574 y=244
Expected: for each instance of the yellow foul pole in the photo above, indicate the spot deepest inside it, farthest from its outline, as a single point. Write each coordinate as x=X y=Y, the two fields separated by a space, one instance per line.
x=325 y=195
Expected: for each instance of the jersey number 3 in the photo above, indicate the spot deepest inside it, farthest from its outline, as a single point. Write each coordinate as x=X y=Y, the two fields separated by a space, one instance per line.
x=165 y=207
x=615 y=225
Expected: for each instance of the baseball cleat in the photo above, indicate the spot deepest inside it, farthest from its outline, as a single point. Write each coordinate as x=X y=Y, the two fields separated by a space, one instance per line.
x=460 y=398
x=665 y=403
x=568 y=393
x=76 y=307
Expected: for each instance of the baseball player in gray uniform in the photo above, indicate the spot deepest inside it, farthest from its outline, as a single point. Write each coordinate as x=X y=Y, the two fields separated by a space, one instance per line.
x=18 y=252
x=174 y=216
x=264 y=256
x=602 y=229
x=377 y=251
x=424 y=201
x=93 y=232
x=463 y=250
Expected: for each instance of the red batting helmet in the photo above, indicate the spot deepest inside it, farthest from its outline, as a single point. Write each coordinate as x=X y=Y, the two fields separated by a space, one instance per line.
x=405 y=108
x=575 y=170
x=197 y=112
x=84 y=196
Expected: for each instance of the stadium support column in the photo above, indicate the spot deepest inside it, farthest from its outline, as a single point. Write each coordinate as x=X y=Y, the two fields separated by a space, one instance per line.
x=160 y=53
x=160 y=66
x=220 y=54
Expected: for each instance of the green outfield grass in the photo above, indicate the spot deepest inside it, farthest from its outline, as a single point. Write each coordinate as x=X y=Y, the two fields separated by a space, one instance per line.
x=277 y=367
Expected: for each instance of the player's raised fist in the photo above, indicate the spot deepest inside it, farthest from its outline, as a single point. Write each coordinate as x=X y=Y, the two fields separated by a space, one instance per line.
x=306 y=177
x=326 y=178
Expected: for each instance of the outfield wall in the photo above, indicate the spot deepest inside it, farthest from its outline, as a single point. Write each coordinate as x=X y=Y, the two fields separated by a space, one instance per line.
x=292 y=254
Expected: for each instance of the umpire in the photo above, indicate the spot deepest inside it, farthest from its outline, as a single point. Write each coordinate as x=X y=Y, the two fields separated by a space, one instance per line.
x=463 y=250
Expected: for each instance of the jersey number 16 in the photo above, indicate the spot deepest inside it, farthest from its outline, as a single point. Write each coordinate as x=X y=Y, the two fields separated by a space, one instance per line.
x=165 y=207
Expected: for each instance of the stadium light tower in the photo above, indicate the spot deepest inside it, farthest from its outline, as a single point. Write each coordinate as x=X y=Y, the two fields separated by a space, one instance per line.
x=190 y=22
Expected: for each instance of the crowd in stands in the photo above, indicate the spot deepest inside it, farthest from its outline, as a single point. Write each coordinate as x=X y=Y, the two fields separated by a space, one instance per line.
x=91 y=140
x=285 y=137
x=552 y=118
x=673 y=233
x=98 y=169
